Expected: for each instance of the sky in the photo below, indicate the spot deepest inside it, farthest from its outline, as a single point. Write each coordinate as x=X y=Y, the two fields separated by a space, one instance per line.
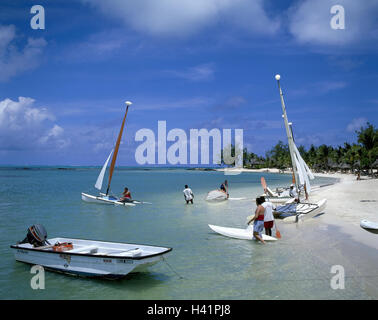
x=194 y=64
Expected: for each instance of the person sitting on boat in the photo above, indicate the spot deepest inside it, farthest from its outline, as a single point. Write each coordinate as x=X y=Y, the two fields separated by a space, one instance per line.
x=188 y=194
x=224 y=187
x=293 y=193
x=258 y=220
x=268 y=216
x=126 y=196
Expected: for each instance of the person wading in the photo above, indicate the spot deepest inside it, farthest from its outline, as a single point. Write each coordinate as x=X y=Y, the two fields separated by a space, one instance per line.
x=258 y=220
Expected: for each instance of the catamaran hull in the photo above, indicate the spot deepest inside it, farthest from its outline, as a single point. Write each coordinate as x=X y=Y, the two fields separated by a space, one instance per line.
x=321 y=207
x=86 y=265
x=104 y=200
x=278 y=200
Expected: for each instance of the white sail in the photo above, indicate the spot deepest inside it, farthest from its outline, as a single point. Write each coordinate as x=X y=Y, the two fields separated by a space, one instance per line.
x=307 y=169
x=100 y=178
x=303 y=170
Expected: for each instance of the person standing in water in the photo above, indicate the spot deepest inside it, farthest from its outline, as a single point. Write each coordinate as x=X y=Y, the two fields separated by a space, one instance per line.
x=188 y=194
x=258 y=220
x=268 y=216
x=224 y=187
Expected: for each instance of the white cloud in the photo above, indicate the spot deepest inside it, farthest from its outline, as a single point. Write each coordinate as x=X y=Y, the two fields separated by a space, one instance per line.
x=356 y=124
x=186 y=17
x=13 y=60
x=310 y=22
x=23 y=126
x=203 y=72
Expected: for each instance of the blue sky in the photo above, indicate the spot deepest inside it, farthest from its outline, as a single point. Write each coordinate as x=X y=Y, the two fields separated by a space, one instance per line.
x=195 y=64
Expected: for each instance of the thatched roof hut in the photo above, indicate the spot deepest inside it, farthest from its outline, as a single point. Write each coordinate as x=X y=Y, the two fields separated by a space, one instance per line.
x=345 y=166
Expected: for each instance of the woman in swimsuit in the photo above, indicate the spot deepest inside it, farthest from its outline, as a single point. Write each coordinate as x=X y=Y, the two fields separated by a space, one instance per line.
x=258 y=218
x=126 y=196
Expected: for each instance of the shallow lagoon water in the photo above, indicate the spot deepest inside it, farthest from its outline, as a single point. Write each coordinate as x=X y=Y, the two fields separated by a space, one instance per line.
x=202 y=265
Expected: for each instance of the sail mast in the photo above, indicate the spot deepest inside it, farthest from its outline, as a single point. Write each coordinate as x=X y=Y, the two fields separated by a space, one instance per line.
x=289 y=135
x=112 y=165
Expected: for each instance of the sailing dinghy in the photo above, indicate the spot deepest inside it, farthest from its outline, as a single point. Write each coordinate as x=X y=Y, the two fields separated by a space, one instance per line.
x=89 y=258
x=105 y=198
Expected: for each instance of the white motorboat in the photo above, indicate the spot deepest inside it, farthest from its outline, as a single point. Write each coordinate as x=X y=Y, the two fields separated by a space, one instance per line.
x=106 y=198
x=89 y=258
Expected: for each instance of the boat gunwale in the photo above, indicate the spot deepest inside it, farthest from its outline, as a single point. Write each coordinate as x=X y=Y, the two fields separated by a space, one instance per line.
x=168 y=249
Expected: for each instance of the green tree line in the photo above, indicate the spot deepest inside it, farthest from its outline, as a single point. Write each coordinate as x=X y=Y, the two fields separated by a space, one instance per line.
x=356 y=156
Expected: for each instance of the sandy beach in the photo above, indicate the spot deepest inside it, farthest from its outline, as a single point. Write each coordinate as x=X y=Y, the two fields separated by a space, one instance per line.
x=348 y=202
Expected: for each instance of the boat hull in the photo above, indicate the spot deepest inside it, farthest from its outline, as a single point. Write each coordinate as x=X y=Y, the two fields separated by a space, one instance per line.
x=216 y=195
x=87 y=264
x=104 y=200
x=369 y=226
x=236 y=233
x=300 y=216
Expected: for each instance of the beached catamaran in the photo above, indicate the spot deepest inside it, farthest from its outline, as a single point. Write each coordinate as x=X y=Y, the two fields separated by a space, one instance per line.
x=301 y=172
x=105 y=198
x=301 y=177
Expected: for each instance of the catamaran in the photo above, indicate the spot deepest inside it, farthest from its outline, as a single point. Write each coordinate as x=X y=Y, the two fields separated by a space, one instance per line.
x=294 y=209
x=106 y=198
x=301 y=172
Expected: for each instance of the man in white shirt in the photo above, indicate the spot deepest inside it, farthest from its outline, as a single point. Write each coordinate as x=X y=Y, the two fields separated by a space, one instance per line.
x=293 y=193
x=188 y=194
x=268 y=217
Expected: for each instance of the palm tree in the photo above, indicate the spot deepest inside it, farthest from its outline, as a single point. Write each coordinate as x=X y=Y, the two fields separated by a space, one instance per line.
x=368 y=138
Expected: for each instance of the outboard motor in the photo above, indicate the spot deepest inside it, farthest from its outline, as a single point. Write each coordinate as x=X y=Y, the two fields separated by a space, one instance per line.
x=37 y=236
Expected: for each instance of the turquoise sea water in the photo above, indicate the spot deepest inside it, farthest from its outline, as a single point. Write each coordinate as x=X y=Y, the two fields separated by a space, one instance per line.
x=202 y=265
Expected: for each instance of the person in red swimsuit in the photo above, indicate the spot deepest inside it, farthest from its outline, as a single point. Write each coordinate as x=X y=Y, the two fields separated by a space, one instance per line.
x=126 y=196
x=258 y=218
